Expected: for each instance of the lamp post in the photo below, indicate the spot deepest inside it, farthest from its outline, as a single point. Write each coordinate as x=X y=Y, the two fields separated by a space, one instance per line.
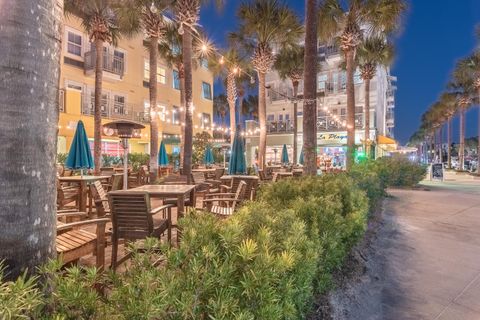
x=124 y=130
x=275 y=154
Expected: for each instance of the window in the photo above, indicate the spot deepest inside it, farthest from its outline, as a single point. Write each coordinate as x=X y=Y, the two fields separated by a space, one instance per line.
x=335 y=81
x=207 y=90
x=119 y=104
x=270 y=117
x=322 y=79
x=343 y=80
x=161 y=73
x=205 y=120
x=176 y=80
x=280 y=117
x=357 y=79
x=204 y=63
x=160 y=112
x=74 y=43
x=175 y=115
x=343 y=111
x=287 y=117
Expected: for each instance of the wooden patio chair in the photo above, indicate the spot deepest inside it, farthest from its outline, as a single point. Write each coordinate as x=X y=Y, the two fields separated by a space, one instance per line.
x=219 y=172
x=100 y=199
x=224 y=204
x=251 y=188
x=134 y=219
x=203 y=185
x=263 y=176
x=67 y=195
x=72 y=242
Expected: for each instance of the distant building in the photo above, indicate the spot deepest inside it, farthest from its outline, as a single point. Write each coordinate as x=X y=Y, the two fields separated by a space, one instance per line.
x=125 y=92
x=332 y=101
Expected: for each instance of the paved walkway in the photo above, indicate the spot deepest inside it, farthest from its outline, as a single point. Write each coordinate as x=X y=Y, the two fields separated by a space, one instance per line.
x=432 y=259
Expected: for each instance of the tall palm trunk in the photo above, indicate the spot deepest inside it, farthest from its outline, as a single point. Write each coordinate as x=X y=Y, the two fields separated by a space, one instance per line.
x=97 y=113
x=350 y=56
x=478 y=136
x=29 y=84
x=181 y=77
x=427 y=150
x=262 y=119
x=440 y=143
x=461 y=150
x=188 y=135
x=231 y=97
x=435 y=145
x=295 y=121
x=152 y=88
x=366 y=115
x=310 y=89
x=449 y=143
x=233 y=124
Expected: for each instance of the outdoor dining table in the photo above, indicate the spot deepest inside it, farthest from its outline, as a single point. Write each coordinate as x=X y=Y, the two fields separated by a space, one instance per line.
x=83 y=182
x=283 y=174
x=177 y=191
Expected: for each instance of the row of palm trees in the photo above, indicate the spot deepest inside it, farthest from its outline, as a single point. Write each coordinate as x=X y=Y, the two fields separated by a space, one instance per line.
x=268 y=36
x=462 y=92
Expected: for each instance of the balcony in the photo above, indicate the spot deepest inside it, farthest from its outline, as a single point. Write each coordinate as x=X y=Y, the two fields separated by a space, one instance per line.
x=111 y=63
x=327 y=123
x=280 y=126
x=115 y=110
x=325 y=52
x=61 y=100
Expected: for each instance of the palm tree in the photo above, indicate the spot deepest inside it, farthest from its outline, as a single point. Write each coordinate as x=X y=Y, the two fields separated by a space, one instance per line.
x=310 y=89
x=220 y=107
x=345 y=25
x=449 y=107
x=232 y=66
x=263 y=25
x=289 y=64
x=28 y=129
x=373 y=51
x=148 y=16
x=187 y=13
x=470 y=69
x=249 y=106
x=100 y=19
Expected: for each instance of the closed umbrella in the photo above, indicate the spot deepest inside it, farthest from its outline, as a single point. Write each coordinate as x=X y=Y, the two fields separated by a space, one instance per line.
x=80 y=156
x=285 y=155
x=301 y=161
x=162 y=155
x=237 y=164
x=208 y=157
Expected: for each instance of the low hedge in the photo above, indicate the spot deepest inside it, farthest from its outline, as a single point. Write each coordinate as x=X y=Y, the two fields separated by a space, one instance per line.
x=265 y=262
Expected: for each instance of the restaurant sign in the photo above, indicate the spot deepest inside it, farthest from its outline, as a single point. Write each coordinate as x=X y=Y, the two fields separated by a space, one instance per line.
x=332 y=138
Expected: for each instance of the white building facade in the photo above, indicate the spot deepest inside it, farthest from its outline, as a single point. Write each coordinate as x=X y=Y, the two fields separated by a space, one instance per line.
x=331 y=113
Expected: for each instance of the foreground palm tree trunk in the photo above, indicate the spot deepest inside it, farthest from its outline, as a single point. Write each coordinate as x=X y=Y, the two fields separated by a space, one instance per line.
x=29 y=83
x=232 y=97
x=461 y=150
x=310 y=89
x=152 y=88
x=181 y=77
x=295 y=121
x=188 y=134
x=262 y=119
x=97 y=112
x=366 y=115
x=449 y=143
x=350 y=56
x=440 y=143
x=478 y=136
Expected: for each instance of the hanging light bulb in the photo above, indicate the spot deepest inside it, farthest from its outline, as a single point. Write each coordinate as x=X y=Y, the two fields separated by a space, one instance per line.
x=181 y=31
x=204 y=48
x=222 y=60
x=153 y=8
x=252 y=80
x=235 y=70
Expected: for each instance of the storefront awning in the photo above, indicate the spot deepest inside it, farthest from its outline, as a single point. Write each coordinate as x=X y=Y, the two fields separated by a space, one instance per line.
x=385 y=140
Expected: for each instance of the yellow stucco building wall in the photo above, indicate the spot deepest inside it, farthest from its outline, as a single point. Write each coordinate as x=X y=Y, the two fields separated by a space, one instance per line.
x=125 y=91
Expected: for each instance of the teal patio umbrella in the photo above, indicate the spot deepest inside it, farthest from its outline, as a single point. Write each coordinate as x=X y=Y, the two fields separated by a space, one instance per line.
x=162 y=155
x=208 y=156
x=300 y=160
x=237 y=164
x=80 y=156
x=284 y=157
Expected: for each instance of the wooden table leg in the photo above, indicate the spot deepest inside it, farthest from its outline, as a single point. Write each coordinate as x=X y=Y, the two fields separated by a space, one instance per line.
x=82 y=197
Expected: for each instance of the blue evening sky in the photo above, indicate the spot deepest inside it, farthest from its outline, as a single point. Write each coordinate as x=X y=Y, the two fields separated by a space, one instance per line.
x=435 y=34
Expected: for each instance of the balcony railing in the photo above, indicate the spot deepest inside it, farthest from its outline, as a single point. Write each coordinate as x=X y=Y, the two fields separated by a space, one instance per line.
x=280 y=126
x=116 y=110
x=327 y=123
x=61 y=100
x=111 y=63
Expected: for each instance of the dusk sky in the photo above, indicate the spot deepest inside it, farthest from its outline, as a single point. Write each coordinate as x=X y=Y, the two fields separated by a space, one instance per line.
x=435 y=34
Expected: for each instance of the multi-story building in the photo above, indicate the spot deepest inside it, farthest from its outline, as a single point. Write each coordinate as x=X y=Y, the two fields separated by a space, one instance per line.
x=331 y=112
x=125 y=92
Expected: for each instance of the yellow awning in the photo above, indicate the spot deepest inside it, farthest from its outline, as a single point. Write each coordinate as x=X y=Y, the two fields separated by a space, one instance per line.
x=385 y=140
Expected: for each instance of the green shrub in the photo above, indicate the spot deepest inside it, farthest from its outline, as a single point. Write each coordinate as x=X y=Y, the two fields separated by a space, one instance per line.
x=110 y=161
x=62 y=157
x=138 y=159
x=400 y=172
x=264 y=262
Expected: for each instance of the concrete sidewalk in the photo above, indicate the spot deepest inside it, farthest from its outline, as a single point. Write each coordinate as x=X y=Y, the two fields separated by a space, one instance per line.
x=432 y=260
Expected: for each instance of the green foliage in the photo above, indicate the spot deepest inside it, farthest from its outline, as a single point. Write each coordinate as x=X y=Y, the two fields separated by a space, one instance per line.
x=264 y=262
x=110 y=161
x=200 y=143
x=138 y=159
x=62 y=157
x=400 y=172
